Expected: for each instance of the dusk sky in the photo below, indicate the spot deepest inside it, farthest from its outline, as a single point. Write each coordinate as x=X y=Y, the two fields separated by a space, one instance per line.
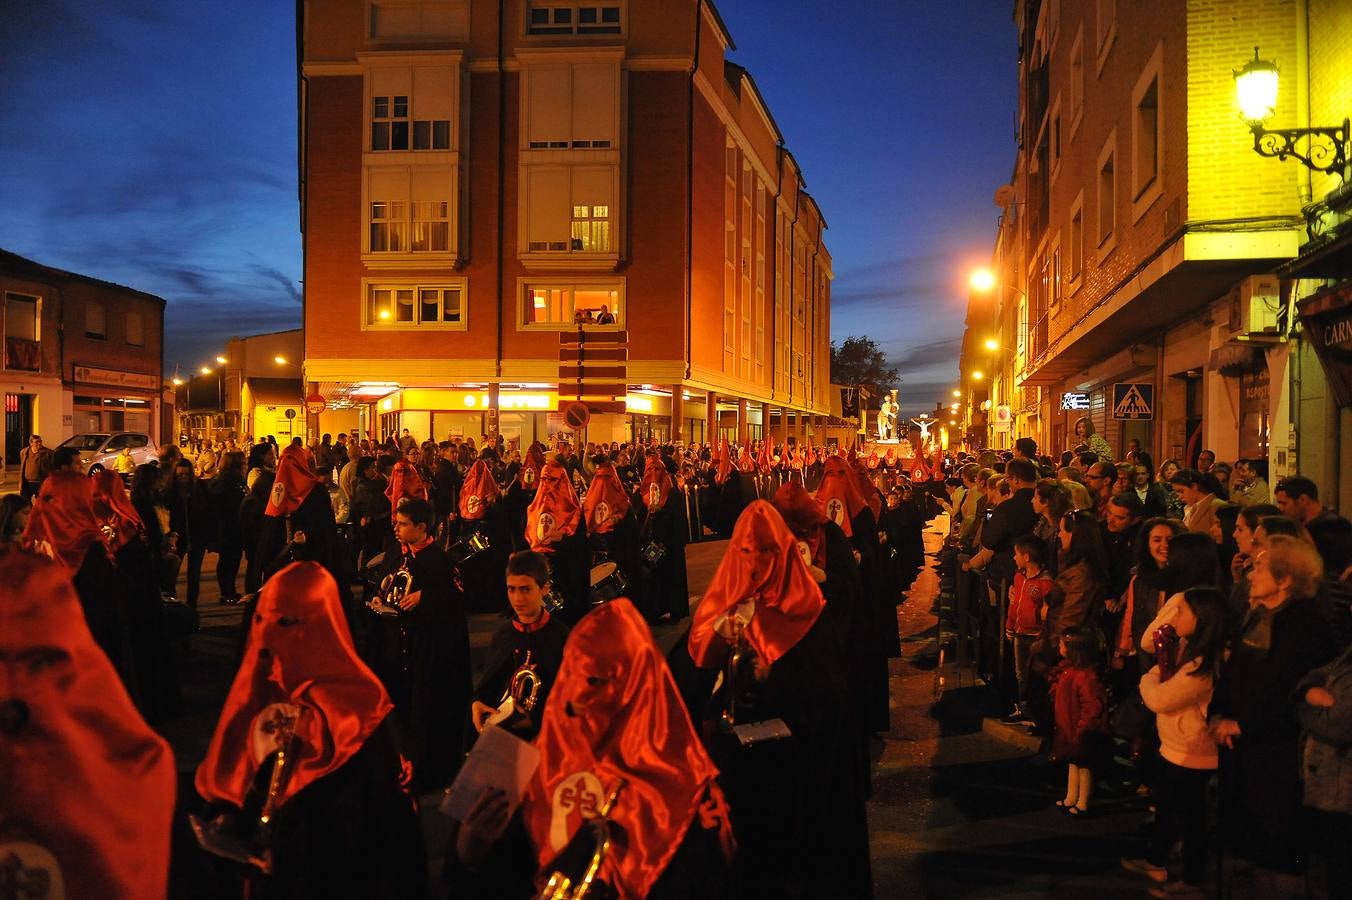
x=154 y=144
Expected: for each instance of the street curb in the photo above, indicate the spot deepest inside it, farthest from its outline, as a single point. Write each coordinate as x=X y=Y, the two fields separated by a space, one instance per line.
x=1011 y=734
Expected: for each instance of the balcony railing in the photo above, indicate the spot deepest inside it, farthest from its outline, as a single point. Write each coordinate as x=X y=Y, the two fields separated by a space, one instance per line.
x=23 y=355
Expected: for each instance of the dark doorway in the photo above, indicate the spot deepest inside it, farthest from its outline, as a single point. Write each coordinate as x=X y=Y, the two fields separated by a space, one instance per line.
x=18 y=425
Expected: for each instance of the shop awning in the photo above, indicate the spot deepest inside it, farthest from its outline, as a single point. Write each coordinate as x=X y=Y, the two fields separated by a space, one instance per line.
x=276 y=391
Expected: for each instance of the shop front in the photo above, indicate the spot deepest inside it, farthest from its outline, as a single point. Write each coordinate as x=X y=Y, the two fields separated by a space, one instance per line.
x=106 y=400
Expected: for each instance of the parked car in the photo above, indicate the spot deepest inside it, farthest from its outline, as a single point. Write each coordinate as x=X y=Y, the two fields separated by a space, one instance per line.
x=98 y=451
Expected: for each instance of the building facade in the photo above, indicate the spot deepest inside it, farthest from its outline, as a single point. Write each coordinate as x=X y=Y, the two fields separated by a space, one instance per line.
x=478 y=178
x=1139 y=252
x=255 y=390
x=81 y=355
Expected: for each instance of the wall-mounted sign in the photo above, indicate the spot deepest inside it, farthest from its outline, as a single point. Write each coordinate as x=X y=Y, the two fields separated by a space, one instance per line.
x=1075 y=400
x=314 y=404
x=95 y=375
x=1003 y=416
x=1133 y=400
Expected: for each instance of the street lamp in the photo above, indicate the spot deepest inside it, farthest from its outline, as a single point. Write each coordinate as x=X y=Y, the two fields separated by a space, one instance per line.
x=992 y=344
x=221 y=360
x=1256 y=85
x=982 y=280
x=206 y=370
x=279 y=360
x=977 y=375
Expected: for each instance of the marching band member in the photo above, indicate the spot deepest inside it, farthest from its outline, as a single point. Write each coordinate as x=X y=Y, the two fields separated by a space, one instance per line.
x=418 y=645
x=841 y=499
x=616 y=725
x=532 y=639
x=481 y=511
x=663 y=534
x=152 y=652
x=554 y=527
x=797 y=801
x=612 y=528
x=522 y=488
x=878 y=567
x=63 y=526
x=88 y=794
x=327 y=816
x=298 y=522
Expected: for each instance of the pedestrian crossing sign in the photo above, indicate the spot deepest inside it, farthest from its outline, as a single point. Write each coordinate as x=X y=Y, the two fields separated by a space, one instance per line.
x=1133 y=401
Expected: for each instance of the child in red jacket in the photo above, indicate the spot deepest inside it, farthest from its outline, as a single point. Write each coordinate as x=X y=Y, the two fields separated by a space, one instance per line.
x=1080 y=706
x=1023 y=623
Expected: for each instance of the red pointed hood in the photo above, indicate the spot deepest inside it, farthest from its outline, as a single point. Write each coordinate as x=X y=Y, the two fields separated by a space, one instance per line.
x=554 y=513
x=479 y=491
x=606 y=503
x=295 y=480
x=838 y=494
x=62 y=524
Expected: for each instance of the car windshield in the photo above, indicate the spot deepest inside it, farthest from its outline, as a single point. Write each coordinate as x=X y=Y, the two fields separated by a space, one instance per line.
x=85 y=442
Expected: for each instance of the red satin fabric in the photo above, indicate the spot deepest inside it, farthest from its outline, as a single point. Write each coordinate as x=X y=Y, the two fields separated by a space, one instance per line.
x=873 y=460
x=295 y=480
x=744 y=460
x=404 y=482
x=761 y=564
x=85 y=779
x=63 y=523
x=765 y=463
x=869 y=491
x=890 y=458
x=838 y=484
x=605 y=488
x=555 y=497
x=628 y=722
x=724 y=463
x=804 y=518
x=478 y=492
x=531 y=467
x=113 y=506
x=300 y=654
x=655 y=474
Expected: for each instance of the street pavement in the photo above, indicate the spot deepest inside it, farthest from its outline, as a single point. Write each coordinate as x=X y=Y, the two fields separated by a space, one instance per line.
x=961 y=807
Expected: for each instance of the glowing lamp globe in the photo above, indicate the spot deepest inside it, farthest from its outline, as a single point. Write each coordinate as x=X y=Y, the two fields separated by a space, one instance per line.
x=982 y=280
x=1256 y=87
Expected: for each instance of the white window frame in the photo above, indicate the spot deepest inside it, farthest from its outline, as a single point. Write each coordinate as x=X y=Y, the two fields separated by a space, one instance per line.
x=1075 y=77
x=1076 y=258
x=1055 y=141
x=368 y=285
x=570 y=284
x=573 y=27
x=533 y=62
x=1105 y=31
x=1105 y=241
x=411 y=160
x=1145 y=193
x=421 y=7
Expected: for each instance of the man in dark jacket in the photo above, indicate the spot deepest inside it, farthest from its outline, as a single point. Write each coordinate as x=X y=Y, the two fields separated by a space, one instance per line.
x=226 y=492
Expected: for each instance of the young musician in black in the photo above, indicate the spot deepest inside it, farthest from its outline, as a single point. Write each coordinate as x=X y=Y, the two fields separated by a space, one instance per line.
x=530 y=632
x=419 y=648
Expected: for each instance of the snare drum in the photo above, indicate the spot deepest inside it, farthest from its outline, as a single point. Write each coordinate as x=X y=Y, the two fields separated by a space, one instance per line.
x=463 y=551
x=607 y=583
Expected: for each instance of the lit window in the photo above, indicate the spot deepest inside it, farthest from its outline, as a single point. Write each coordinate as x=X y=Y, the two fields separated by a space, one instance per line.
x=409 y=212
x=412 y=305
x=591 y=229
x=562 y=305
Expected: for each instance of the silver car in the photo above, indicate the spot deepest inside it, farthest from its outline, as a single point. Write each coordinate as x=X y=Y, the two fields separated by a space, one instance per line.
x=100 y=451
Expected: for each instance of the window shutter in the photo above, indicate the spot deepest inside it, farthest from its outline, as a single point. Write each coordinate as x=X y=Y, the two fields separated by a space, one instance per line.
x=548 y=115
x=431 y=184
x=391 y=81
x=547 y=199
x=593 y=186
x=594 y=102
x=433 y=92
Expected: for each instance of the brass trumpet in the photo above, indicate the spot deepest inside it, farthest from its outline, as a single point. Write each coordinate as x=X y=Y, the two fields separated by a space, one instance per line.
x=394 y=587
x=524 y=688
x=740 y=687
x=575 y=874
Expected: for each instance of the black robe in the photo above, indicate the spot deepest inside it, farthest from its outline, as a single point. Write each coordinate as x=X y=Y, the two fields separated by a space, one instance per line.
x=507 y=652
x=485 y=576
x=153 y=653
x=885 y=636
x=569 y=570
x=422 y=657
x=798 y=803
x=665 y=589
x=351 y=834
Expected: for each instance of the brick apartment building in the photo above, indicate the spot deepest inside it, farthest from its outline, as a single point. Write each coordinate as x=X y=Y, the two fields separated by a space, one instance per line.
x=477 y=175
x=80 y=355
x=1141 y=236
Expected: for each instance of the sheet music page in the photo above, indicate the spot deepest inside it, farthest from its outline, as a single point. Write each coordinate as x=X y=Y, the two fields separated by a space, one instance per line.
x=499 y=760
